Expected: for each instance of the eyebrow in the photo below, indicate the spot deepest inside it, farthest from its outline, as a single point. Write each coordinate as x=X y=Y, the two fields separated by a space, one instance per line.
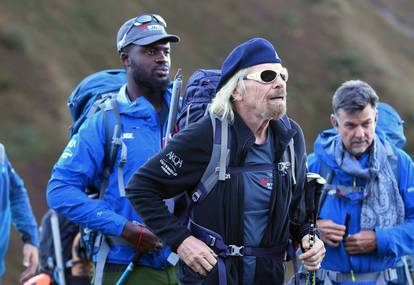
x=347 y=123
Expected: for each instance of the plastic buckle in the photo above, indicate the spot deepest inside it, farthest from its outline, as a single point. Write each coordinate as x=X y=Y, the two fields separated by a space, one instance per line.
x=195 y=196
x=334 y=276
x=390 y=274
x=235 y=250
x=282 y=167
x=212 y=240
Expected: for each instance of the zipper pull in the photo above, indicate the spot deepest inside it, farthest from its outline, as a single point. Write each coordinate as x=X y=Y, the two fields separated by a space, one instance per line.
x=353 y=276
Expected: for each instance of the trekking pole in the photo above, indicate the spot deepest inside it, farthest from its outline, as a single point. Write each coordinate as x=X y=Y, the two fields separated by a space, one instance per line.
x=54 y=223
x=312 y=194
x=175 y=99
x=129 y=269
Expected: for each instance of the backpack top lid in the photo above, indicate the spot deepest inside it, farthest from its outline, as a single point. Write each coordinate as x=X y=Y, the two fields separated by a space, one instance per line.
x=199 y=92
x=91 y=89
x=201 y=86
x=390 y=122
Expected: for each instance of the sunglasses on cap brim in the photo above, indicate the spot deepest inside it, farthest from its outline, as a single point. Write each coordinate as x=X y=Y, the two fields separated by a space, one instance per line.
x=268 y=75
x=140 y=21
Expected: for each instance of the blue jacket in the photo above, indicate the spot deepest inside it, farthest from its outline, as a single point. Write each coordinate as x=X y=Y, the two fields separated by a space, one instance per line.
x=14 y=208
x=393 y=242
x=81 y=164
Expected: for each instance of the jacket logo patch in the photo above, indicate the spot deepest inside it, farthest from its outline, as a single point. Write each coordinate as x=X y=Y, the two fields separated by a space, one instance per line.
x=127 y=135
x=168 y=168
x=66 y=154
x=410 y=190
x=266 y=183
x=170 y=164
x=178 y=162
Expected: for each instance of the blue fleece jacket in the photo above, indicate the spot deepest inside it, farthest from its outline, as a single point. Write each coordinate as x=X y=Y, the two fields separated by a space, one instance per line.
x=81 y=164
x=14 y=208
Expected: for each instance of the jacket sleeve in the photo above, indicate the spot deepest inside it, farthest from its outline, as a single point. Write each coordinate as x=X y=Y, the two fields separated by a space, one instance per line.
x=176 y=169
x=21 y=211
x=399 y=240
x=80 y=165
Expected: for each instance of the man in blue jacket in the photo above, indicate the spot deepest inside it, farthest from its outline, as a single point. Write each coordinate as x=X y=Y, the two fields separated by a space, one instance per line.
x=15 y=208
x=144 y=50
x=367 y=217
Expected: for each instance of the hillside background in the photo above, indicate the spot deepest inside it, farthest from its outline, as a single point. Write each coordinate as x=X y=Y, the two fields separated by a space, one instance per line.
x=47 y=47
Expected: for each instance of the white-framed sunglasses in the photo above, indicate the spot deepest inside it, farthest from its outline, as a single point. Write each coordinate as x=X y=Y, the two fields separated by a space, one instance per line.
x=267 y=76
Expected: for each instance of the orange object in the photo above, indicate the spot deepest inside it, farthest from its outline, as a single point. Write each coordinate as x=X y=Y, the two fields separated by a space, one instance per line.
x=41 y=279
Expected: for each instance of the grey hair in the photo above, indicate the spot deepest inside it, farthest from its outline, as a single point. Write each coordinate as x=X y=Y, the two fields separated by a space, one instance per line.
x=222 y=105
x=353 y=96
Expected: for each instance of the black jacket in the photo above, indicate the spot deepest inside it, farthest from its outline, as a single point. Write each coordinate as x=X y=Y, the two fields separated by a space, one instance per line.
x=179 y=167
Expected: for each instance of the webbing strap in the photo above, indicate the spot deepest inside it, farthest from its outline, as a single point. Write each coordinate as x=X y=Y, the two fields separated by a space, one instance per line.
x=216 y=242
x=187 y=116
x=122 y=162
x=252 y=168
x=407 y=270
x=344 y=190
x=223 y=150
x=219 y=156
x=292 y=160
x=105 y=247
x=100 y=262
x=380 y=277
x=96 y=105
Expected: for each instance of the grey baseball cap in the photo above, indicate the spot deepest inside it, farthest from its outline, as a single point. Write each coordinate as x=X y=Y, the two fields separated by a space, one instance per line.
x=143 y=30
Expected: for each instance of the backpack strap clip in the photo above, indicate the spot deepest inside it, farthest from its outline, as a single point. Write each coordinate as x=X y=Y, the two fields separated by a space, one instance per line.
x=283 y=167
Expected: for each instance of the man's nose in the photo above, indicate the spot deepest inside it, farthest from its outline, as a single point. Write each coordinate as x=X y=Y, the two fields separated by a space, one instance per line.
x=359 y=132
x=278 y=83
x=161 y=57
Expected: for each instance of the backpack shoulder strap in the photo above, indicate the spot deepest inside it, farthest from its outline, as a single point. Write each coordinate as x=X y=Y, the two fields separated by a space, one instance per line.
x=289 y=154
x=291 y=148
x=326 y=172
x=113 y=141
x=395 y=163
x=217 y=167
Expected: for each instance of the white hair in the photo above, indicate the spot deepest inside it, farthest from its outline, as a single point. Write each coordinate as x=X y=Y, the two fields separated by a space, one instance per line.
x=222 y=105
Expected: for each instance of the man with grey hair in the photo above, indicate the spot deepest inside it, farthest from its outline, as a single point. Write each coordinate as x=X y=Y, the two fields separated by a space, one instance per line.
x=367 y=216
x=239 y=232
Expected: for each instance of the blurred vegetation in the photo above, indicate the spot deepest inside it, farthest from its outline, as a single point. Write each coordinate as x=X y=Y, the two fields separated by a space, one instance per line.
x=46 y=47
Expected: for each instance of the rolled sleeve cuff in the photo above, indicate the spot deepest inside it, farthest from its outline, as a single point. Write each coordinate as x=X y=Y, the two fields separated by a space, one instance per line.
x=33 y=239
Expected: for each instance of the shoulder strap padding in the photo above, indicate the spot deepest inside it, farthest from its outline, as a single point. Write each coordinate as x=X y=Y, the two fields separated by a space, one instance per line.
x=219 y=160
x=113 y=141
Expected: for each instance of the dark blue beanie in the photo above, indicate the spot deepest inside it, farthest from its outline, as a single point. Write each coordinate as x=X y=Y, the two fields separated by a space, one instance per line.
x=253 y=52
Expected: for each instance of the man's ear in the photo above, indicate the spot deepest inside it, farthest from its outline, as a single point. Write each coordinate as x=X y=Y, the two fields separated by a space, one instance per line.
x=334 y=121
x=236 y=95
x=125 y=60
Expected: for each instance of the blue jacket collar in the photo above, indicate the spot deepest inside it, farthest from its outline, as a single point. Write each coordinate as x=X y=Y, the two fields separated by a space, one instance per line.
x=140 y=105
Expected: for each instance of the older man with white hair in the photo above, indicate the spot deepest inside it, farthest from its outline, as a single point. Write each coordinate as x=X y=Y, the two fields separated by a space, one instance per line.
x=243 y=225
